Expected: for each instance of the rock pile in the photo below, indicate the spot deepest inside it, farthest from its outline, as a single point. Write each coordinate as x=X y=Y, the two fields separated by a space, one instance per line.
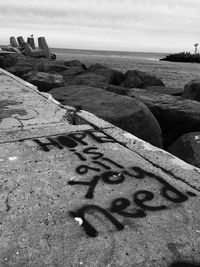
x=134 y=101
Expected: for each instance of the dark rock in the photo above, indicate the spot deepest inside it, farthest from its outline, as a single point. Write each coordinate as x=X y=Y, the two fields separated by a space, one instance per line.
x=71 y=72
x=10 y=49
x=176 y=116
x=73 y=63
x=133 y=81
x=122 y=111
x=24 y=63
x=42 y=64
x=46 y=65
x=140 y=79
x=19 y=71
x=56 y=68
x=97 y=76
x=192 y=90
x=44 y=81
x=165 y=90
x=8 y=60
x=187 y=148
x=96 y=66
x=114 y=77
x=114 y=88
x=91 y=79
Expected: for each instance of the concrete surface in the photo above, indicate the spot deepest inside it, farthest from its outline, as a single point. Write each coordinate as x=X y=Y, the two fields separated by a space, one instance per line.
x=77 y=191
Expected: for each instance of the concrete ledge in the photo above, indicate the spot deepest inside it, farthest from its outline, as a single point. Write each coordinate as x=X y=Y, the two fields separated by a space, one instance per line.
x=90 y=194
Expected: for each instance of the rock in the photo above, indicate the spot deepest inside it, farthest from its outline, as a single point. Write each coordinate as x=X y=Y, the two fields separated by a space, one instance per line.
x=71 y=72
x=114 y=77
x=19 y=70
x=91 y=79
x=114 y=88
x=99 y=75
x=10 y=49
x=133 y=81
x=140 y=79
x=42 y=64
x=74 y=63
x=176 y=116
x=192 y=90
x=122 y=111
x=97 y=66
x=165 y=90
x=44 y=81
x=187 y=148
x=9 y=59
x=25 y=63
x=56 y=68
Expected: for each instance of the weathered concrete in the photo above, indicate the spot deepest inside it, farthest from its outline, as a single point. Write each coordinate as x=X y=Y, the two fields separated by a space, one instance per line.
x=22 y=105
x=91 y=194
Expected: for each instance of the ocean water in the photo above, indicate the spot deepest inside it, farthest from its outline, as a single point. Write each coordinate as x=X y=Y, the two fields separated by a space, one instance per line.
x=173 y=74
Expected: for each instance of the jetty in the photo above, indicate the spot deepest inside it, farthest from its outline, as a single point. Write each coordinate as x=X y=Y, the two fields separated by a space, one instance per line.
x=78 y=191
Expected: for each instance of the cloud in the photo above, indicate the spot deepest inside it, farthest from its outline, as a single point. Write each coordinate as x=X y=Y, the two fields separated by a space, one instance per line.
x=108 y=21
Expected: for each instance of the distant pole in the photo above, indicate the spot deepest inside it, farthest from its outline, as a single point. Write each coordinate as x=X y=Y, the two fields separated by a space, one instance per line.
x=196 y=48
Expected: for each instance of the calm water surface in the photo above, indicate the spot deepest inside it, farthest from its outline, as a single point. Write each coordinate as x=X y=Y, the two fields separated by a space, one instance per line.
x=172 y=74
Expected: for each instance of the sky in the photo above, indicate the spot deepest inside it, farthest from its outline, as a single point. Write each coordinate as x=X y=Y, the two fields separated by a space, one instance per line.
x=119 y=25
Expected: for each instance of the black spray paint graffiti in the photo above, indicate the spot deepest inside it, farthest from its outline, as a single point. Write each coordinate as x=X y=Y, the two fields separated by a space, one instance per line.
x=73 y=140
x=109 y=172
x=119 y=205
x=100 y=162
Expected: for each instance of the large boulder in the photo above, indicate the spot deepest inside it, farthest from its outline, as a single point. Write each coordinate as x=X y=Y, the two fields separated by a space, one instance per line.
x=8 y=60
x=176 y=116
x=25 y=62
x=90 y=79
x=114 y=88
x=122 y=111
x=97 y=66
x=114 y=77
x=140 y=79
x=165 y=90
x=74 y=63
x=44 y=65
x=71 y=72
x=53 y=68
x=187 y=147
x=19 y=70
x=192 y=90
x=94 y=76
x=44 y=81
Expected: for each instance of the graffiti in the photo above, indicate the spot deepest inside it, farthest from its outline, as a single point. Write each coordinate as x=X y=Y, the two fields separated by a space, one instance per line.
x=109 y=177
x=89 y=229
x=74 y=140
x=120 y=205
x=95 y=167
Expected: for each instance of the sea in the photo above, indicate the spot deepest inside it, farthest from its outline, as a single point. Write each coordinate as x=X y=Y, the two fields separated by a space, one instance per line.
x=173 y=74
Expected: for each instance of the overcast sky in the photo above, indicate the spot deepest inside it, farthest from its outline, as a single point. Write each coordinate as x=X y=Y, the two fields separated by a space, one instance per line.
x=126 y=25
